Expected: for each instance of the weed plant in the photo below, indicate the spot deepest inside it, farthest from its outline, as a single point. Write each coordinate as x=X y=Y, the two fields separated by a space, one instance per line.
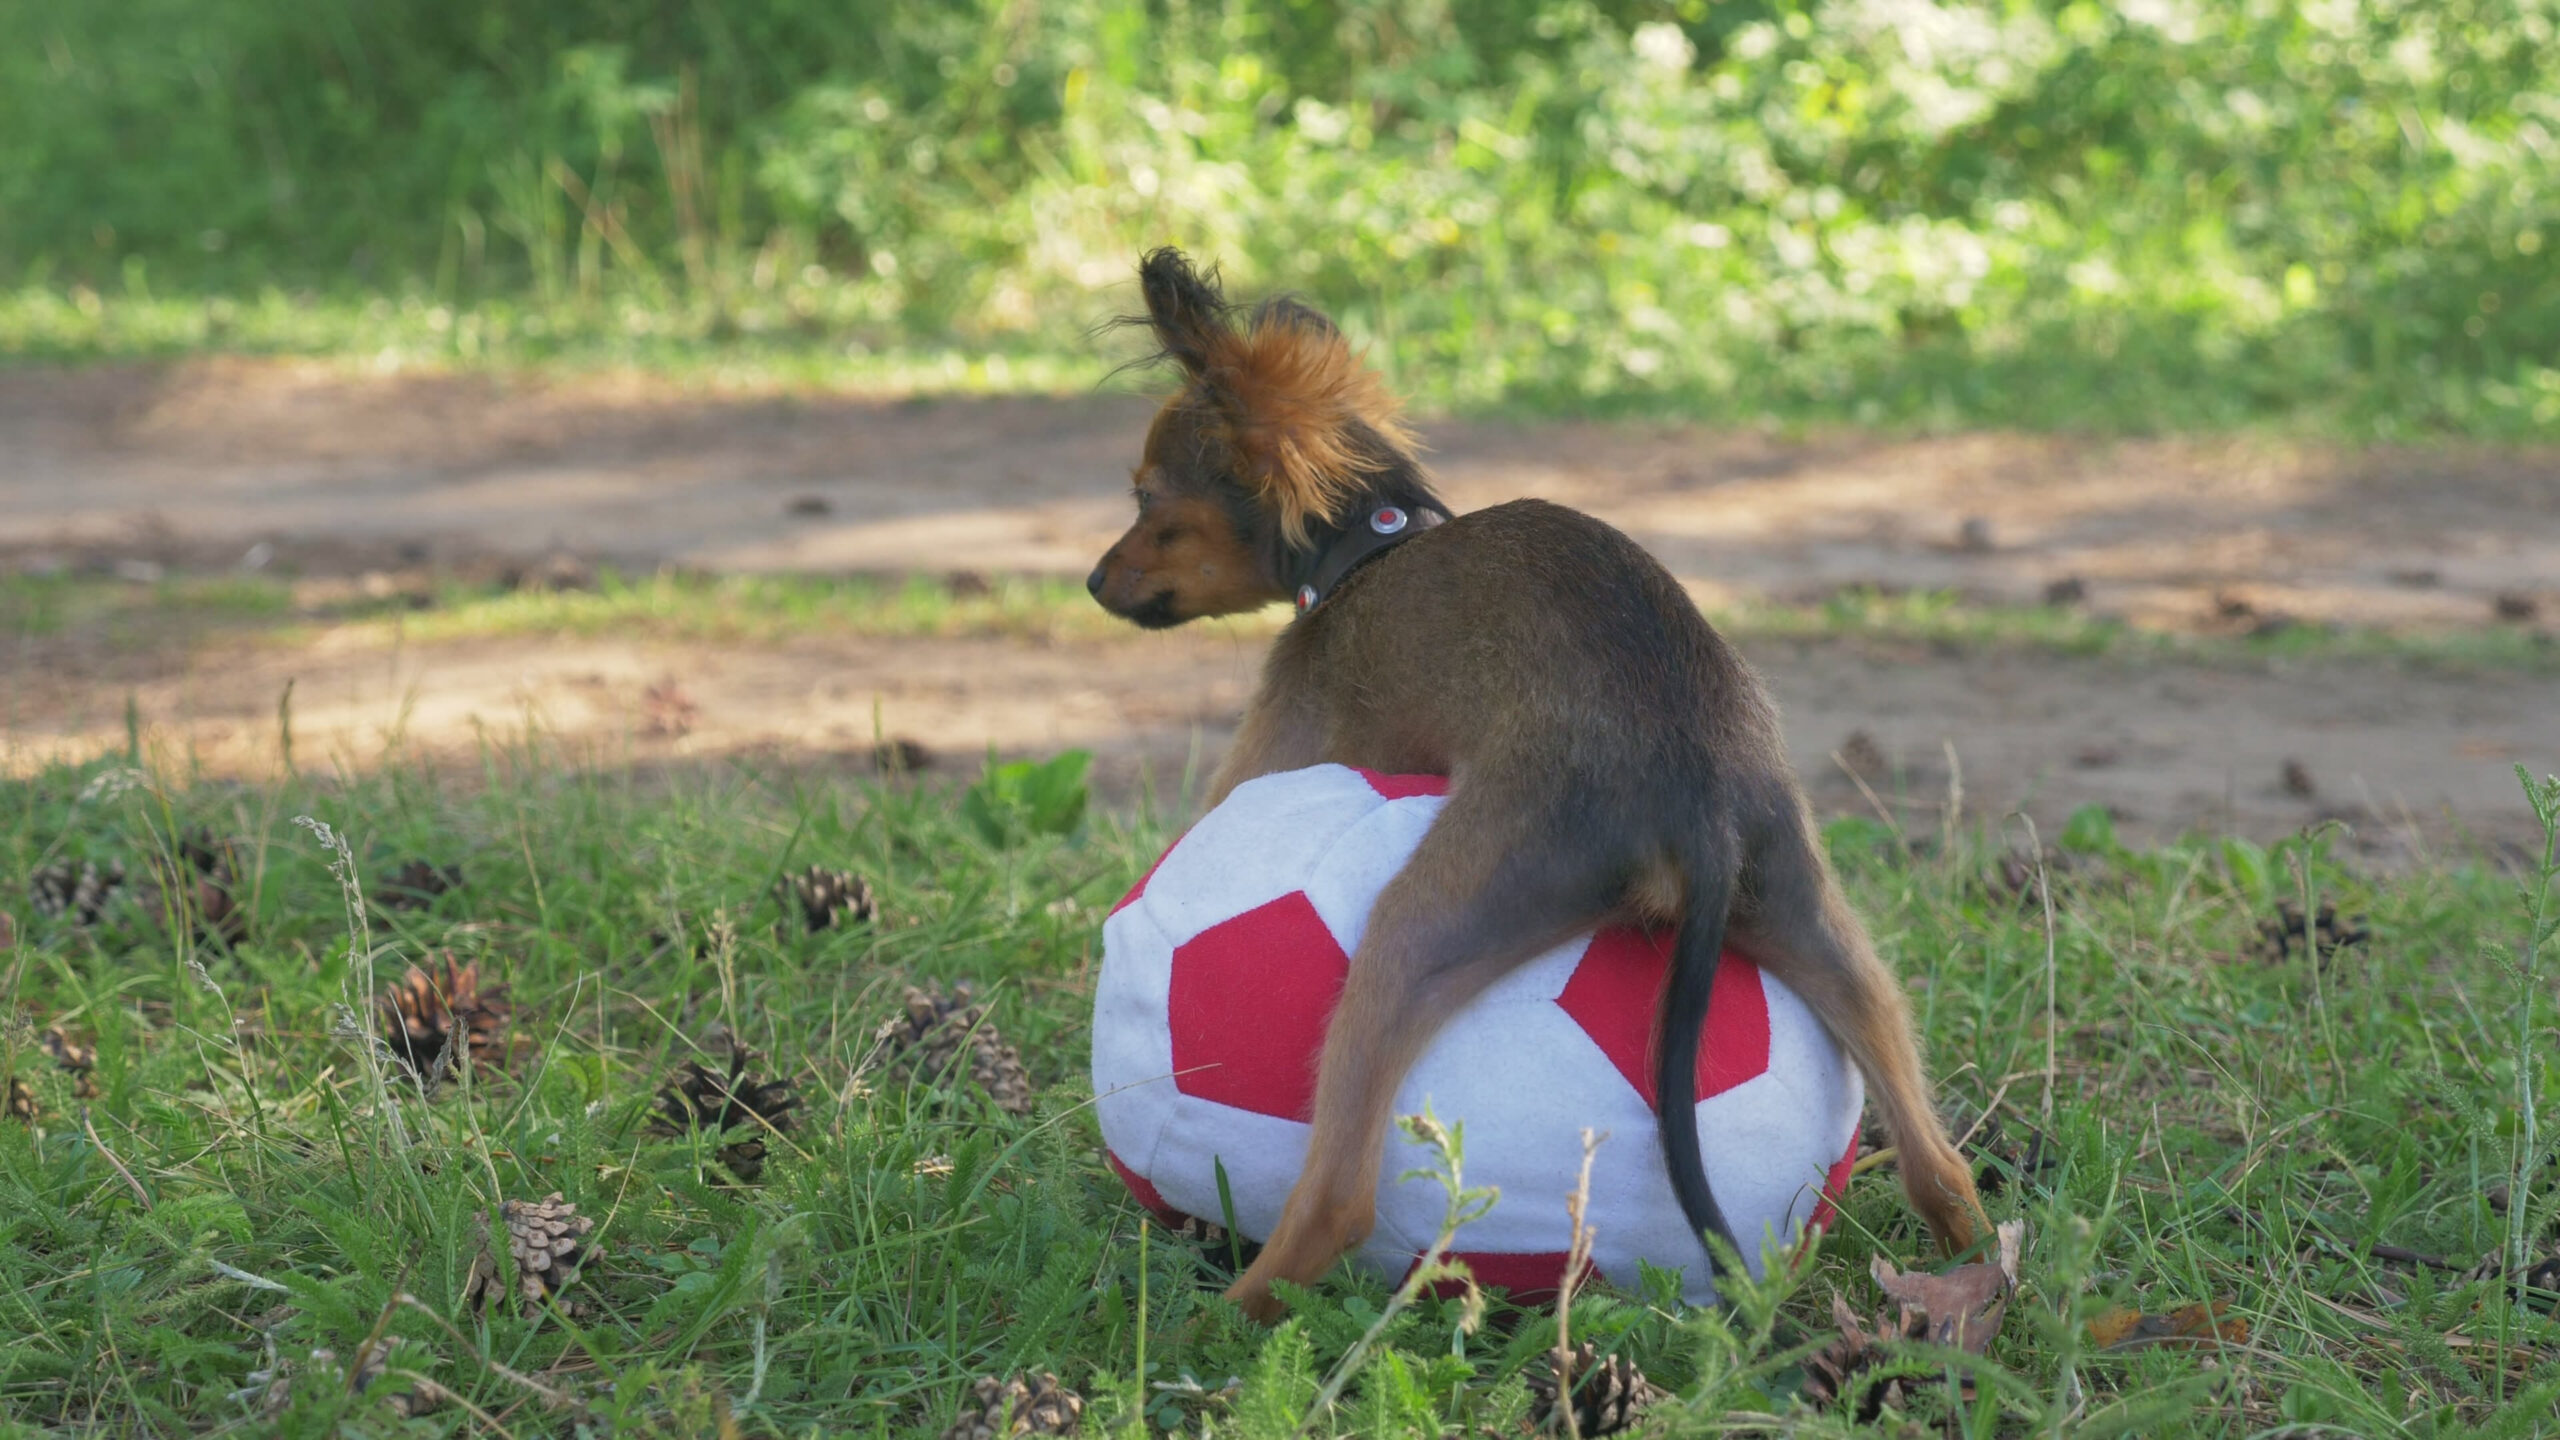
x=1917 y=212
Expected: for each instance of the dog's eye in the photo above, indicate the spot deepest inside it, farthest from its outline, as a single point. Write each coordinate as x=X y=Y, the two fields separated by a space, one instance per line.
x=1141 y=497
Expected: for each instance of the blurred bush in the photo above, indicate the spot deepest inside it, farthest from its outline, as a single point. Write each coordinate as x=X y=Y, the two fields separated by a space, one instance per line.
x=2138 y=213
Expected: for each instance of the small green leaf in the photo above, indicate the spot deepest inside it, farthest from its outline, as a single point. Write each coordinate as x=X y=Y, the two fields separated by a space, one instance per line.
x=2091 y=831
x=1021 y=798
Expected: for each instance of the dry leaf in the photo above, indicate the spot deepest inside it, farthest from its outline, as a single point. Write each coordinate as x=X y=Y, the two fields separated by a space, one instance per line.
x=2189 y=1327
x=1963 y=1307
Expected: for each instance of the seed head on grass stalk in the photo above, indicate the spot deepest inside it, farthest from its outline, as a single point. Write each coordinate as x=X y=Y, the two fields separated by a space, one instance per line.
x=1577 y=1255
x=1466 y=1205
x=1583 y=1392
x=356 y=997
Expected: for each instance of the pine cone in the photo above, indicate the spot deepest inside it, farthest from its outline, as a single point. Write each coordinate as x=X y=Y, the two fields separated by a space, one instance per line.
x=901 y=756
x=2538 y=1285
x=421 y=1014
x=1023 y=1405
x=68 y=1053
x=829 y=899
x=711 y=932
x=1831 y=1376
x=2278 y=937
x=1998 y=1154
x=373 y=1363
x=74 y=1057
x=415 y=886
x=2014 y=877
x=545 y=1236
x=22 y=1101
x=701 y=1099
x=667 y=709
x=927 y=1041
x=1608 y=1394
x=81 y=893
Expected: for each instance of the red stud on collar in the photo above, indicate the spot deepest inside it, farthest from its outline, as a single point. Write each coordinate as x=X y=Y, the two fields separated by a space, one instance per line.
x=1388 y=520
x=1306 y=598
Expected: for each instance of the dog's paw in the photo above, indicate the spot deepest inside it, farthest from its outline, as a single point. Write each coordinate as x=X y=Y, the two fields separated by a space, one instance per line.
x=1254 y=1297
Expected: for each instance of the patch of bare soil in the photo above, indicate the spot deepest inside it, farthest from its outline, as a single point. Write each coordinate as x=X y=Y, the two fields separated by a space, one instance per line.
x=208 y=464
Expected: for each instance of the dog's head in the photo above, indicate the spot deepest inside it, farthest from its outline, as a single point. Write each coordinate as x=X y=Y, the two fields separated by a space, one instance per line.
x=1278 y=433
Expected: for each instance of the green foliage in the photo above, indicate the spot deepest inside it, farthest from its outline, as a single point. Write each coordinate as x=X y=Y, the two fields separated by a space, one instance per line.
x=1018 y=799
x=2091 y=831
x=1917 y=211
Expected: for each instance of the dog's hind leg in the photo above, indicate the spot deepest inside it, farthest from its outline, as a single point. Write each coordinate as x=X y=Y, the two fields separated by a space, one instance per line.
x=1490 y=886
x=1797 y=925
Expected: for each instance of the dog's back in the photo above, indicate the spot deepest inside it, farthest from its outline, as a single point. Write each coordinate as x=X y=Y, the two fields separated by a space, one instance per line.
x=1531 y=635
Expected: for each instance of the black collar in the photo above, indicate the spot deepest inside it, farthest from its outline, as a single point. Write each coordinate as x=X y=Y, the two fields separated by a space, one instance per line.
x=1385 y=526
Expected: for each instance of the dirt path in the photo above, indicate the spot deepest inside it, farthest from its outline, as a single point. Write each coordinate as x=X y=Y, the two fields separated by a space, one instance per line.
x=196 y=466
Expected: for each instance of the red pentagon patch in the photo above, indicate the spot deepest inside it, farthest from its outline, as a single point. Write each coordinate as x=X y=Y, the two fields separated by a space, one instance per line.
x=1618 y=986
x=1143 y=1191
x=1141 y=887
x=1398 y=787
x=1250 y=999
x=1835 y=1185
x=1532 y=1278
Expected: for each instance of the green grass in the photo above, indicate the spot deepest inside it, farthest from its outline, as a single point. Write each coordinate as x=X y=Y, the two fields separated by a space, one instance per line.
x=668 y=606
x=761 y=609
x=370 y=333
x=2225 y=1127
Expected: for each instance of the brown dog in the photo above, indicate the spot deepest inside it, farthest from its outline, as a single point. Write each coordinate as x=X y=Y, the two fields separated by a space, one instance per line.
x=1608 y=755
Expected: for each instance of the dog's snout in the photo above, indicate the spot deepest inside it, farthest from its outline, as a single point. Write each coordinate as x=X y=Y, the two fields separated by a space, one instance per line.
x=1093 y=583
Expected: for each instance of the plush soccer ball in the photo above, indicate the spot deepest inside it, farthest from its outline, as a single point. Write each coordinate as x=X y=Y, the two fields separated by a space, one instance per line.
x=1219 y=975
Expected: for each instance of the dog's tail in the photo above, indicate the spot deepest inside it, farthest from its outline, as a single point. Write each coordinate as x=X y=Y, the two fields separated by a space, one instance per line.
x=1695 y=957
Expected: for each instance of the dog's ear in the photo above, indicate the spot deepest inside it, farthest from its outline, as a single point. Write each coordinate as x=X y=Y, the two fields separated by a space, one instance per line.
x=1185 y=308
x=1305 y=421
x=1309 y=423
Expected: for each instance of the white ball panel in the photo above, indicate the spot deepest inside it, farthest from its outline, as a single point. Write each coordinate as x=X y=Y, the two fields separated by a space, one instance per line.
x=1132 y=1041
x=1260 y=845
x=1757 y=1158
x=1635 y=1216
x=1262 y=1155
x=1495 y=1068
x=1800 y=1049
x=1344 y=883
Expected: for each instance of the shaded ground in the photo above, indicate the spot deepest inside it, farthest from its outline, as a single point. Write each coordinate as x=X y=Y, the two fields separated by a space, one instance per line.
x=375 y=480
